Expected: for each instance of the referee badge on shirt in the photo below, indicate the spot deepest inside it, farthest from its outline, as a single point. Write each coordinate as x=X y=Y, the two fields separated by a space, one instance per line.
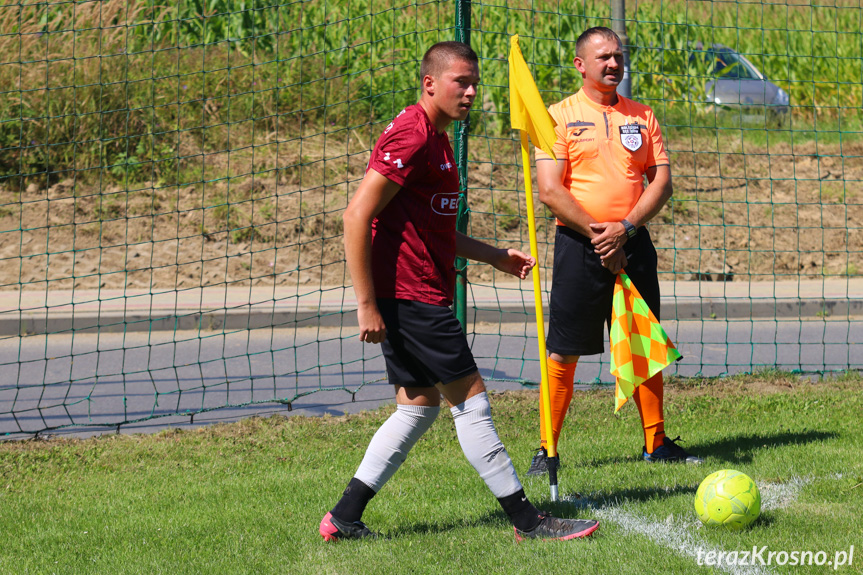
x=630 y=136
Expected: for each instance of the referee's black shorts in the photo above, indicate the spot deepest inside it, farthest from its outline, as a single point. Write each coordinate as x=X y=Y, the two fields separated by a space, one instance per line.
x=582 y=290
x=425 y=344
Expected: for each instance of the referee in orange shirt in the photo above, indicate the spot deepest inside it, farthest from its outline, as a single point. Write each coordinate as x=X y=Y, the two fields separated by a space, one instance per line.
x=605 y=146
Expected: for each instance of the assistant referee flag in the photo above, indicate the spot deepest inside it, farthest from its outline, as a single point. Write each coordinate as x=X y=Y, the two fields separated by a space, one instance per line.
x=640 y=348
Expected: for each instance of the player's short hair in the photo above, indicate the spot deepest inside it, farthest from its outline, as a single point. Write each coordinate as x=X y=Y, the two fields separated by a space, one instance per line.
x=588 y=34
x=439 y=56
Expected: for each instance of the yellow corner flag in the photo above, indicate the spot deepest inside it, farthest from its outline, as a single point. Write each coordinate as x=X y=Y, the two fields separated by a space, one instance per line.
x=529 y=116
x=640 y=348
x=526 y=110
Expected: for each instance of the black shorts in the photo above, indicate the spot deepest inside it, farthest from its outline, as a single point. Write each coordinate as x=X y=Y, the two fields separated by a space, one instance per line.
x=582 y=290
x=425 y=344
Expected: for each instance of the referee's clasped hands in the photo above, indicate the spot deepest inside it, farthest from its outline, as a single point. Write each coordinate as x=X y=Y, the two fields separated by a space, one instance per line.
x=610 y=237
x=608 y=244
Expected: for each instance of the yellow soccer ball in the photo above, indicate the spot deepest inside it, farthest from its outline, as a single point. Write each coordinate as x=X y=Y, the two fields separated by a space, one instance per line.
x=728 y=499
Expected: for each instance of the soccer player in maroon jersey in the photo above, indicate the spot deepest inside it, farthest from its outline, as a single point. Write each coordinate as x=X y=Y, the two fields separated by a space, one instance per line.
x=400 y=245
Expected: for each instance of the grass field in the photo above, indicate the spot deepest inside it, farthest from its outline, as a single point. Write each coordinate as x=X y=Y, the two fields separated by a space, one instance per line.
x=247 y=497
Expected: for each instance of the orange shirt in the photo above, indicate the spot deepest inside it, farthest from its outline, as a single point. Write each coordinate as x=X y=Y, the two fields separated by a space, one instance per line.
x=607 y=150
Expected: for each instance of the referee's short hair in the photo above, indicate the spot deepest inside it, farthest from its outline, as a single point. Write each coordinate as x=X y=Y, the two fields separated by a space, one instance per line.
x=585 y=37
x=439 y=56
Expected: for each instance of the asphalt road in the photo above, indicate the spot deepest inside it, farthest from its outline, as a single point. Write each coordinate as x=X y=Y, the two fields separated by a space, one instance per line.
x=135 y=382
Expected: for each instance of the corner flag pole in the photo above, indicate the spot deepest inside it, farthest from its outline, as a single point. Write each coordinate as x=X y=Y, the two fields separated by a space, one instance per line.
x=529 y=116
x=540 y=323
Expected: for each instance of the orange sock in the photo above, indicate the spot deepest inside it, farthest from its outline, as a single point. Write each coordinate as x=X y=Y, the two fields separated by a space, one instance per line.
x=648 y=398
x=560 y=379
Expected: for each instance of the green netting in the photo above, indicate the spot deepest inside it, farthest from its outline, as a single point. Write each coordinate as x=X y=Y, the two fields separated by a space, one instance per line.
x=172 y=179
x=759 y=250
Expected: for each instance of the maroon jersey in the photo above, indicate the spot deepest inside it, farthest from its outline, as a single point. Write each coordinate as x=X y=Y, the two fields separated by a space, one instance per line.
x=413 y=237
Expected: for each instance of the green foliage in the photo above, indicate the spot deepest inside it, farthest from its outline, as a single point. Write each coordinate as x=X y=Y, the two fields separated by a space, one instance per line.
x=803 y=49
x=507 y=214
x=146 y=76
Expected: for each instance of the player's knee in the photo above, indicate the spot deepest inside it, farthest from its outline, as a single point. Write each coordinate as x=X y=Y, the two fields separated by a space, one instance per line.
x=419 y=396
x=564 y=358
x=462 y=389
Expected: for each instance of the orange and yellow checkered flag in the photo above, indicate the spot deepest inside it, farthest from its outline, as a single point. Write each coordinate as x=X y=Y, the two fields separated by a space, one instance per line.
x=640 y=348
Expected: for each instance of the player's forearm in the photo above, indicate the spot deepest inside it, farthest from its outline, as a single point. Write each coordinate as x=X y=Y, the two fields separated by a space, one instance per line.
x=473 y=249
x=554 y=195
x=358 y=254
x=567 y=210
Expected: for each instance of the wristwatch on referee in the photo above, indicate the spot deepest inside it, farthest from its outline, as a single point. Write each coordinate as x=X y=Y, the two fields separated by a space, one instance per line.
x=629 y=229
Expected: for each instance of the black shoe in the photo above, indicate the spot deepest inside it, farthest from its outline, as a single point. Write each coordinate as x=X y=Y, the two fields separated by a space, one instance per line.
x=333 y=529
x=561 y=529
x=539 y=463
x=670 y=452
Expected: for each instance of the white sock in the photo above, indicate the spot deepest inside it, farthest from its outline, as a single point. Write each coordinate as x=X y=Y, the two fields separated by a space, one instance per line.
x=392 y=442
x=482 y=446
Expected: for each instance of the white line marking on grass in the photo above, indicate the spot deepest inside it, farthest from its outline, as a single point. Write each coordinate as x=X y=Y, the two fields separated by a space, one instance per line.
x=681 y=535
x=779 y=495
x=677 y=536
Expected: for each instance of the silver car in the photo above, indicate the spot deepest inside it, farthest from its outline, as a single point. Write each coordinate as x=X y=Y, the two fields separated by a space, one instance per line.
x=737 y=83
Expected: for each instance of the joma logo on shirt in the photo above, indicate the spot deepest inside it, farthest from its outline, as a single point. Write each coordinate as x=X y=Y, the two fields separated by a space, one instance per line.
x=579 y=127
x=445 y=204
